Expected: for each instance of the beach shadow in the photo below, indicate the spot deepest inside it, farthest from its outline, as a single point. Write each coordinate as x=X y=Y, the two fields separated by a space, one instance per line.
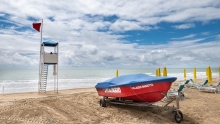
x=156 y=114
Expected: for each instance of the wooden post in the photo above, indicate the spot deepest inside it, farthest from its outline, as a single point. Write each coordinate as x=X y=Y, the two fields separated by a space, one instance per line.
x=3 y=90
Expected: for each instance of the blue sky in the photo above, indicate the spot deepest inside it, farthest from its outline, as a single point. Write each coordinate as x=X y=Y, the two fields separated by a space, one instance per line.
x=125 y=33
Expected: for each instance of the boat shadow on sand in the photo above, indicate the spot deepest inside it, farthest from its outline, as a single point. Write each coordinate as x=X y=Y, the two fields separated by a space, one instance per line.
x=155 y=114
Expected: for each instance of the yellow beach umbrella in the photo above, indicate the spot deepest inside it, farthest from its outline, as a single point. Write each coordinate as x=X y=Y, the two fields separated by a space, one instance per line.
x=209 y=75
x=156 y=72
x=164 y=71
x=184 y=74
x=194 y=74
x=116 y=73
x=219 y=72
x=207 y=71
x=159 y=72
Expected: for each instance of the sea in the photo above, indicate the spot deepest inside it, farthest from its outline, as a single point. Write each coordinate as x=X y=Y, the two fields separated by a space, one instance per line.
x=26 y=80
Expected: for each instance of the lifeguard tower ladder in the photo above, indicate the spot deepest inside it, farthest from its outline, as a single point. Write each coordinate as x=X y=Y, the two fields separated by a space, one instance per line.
x=47 y=59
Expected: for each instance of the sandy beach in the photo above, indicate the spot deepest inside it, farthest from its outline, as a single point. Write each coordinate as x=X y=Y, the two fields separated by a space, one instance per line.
x=82 y=106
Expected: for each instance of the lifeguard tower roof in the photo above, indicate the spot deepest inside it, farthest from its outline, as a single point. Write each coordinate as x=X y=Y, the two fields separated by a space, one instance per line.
x=49 y=43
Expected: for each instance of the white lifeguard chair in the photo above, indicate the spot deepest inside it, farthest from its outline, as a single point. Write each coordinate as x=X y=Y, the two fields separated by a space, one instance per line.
x=46 y=59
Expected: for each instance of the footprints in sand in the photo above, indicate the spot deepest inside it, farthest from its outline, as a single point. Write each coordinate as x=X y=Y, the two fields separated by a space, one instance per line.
x=24 y=111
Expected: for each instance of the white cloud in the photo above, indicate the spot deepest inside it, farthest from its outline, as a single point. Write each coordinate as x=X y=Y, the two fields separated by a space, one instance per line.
x=185 y=37
x=145 y=14
x=122 y=25
x=205 y=33
x=218 y=36
x=101 y=49
x=76 y=27
x=184 y=26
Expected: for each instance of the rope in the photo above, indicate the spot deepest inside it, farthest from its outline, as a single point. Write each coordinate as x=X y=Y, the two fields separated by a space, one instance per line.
x=137 y=95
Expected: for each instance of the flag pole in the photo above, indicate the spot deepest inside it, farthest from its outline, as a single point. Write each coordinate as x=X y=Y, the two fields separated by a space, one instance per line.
x=41 y=29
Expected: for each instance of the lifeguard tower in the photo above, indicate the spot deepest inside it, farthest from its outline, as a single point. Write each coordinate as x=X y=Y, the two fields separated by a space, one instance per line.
x=46 y=59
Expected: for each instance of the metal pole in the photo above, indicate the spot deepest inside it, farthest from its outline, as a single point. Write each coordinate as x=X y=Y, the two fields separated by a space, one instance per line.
x=39 y=71
x=3 y=90
x=43 y=58
x=54 y=71
x=177 y=101
x=57 y=64
x=54 y=74
x=40 y=58
x=41 y=30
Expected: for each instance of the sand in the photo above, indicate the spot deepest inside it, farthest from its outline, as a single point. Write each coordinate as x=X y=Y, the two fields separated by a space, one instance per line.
x=82 y=106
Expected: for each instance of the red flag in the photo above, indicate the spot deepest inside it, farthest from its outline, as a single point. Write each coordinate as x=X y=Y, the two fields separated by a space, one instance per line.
x=36 y=26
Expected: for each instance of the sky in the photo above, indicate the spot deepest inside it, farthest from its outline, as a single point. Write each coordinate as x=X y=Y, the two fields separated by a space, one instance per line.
x=112 y=33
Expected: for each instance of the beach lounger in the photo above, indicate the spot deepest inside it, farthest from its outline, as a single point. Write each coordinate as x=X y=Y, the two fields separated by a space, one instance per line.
x=214 y=88
x=174 y=93
x=192 y=84
x=185 y=83
x=181 y=83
